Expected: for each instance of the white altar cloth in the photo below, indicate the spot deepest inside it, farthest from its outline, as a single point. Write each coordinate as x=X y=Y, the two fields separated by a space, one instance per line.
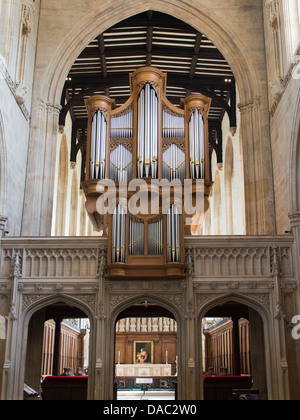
x=143 y=370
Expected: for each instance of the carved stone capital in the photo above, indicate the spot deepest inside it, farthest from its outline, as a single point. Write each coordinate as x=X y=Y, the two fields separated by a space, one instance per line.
x=295 y=219
x=53 y=108
x=274 y=14
x=247 y=106
x=3 y=221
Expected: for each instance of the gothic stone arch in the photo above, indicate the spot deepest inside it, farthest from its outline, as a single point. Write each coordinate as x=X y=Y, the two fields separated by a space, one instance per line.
x=260 y=304
x=30 y=305
x=117 y=304
x=295 y=161
x=50 y=80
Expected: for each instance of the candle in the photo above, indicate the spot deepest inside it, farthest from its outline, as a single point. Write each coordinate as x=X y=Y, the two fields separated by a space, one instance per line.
x=166 y=357
x=119 y=358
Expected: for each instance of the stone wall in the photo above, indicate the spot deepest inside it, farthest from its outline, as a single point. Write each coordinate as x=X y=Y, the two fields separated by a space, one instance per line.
x=259 y=272
x=19 y=26
x=282 y=35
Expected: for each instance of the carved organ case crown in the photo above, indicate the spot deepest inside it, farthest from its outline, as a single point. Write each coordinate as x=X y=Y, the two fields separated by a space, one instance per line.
x=146 y=139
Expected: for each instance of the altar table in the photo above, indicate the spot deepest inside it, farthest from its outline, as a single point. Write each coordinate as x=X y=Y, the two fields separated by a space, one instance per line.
x=140 y=370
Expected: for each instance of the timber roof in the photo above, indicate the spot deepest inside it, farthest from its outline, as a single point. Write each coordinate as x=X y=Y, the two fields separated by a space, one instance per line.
x=192 y=63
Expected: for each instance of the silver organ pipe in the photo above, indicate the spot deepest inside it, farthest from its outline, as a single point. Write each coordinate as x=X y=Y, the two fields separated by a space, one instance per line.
x=173 y=163
x=136 y=237
x=147 y=159
x=173 y=234
x=120 y=164
x=121 y=160
x=197 y=145
x=173 y=157
x=98 y=146
x=122 y=126
x=155 y=237
x=118 y=234
x=173 y=125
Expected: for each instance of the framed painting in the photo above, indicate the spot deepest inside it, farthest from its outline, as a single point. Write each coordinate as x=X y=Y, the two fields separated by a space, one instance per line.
x=143 y=352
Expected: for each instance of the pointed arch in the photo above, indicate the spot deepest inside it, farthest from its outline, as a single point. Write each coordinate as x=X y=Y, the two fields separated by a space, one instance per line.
x=295 y=160
x=238 y=298
x=50 y=79
x=260 y=314
x=26 y=316
x=200 y=17
x=172 y=305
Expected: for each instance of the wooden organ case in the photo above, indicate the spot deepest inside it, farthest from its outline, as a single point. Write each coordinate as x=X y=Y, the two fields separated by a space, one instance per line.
x=136 y=147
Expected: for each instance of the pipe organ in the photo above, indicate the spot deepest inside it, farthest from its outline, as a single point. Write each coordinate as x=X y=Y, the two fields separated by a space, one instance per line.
x=145 y=140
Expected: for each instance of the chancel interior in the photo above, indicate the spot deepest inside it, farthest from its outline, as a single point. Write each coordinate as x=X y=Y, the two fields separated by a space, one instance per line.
x=149 y=200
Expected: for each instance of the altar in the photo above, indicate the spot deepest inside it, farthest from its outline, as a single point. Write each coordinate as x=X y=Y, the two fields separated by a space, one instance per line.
x=140 y=370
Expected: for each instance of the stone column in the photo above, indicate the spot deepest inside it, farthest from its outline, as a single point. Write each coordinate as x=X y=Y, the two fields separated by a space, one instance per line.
x=99 y=363
x=258 y=356
x=189 y=358
x=38 y=205
x=279 y=327
x=236 y=347
x=56 y=354
x=10 y=386
x=258 y=176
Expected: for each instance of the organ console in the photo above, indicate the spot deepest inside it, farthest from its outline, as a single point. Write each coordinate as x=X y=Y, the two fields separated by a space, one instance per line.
x=136 y=146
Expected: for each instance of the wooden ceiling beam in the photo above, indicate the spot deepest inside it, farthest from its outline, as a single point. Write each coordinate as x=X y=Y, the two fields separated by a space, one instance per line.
x=101 y=49
x=122 y=79
x=199 y=84
x=149 y=45
x=157 y=20
x=157 y=50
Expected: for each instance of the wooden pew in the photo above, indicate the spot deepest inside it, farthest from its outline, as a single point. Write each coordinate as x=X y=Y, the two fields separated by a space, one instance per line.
x=65 y=388
x=220 y=388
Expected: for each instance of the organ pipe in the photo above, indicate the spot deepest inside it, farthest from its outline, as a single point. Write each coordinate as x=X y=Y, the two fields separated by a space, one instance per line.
x=136 y=237
x=155 y=237
x=147 y=140
x=173 y=125
x=120 y=164
x=173 y=163
x=197 y=145
x=118 y=234
x=98 y=146
x=122 y=125
x=173 y=234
